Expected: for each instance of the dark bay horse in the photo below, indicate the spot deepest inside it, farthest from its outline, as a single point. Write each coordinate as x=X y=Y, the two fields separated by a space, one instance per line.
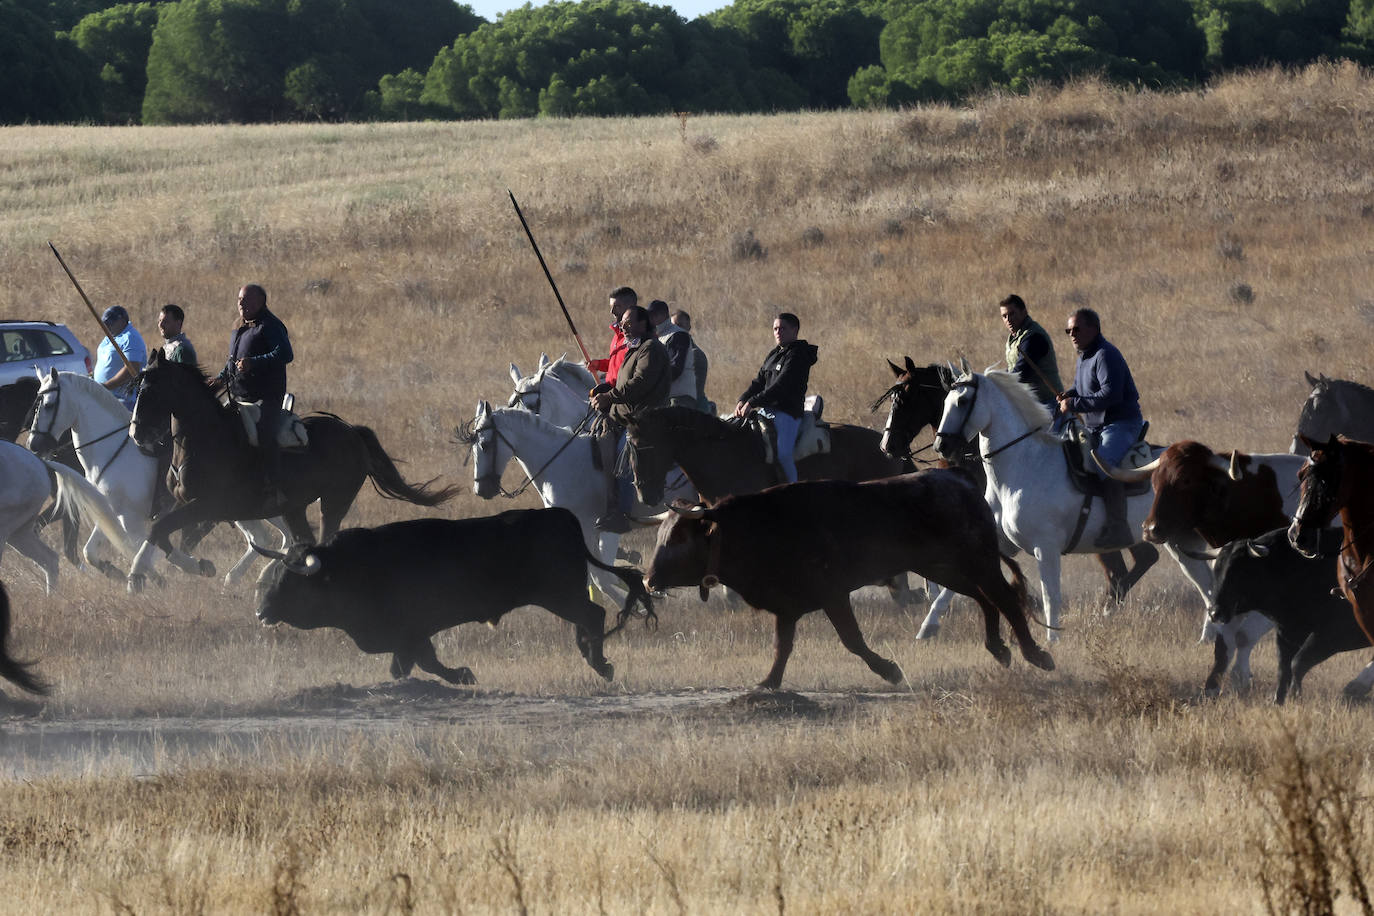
x=918 y=400
x=217 y=473
x=722 y=459
x=1339 y=478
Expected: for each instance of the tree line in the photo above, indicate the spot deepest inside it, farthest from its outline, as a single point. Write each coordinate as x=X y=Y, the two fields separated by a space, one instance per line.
x=201 y=61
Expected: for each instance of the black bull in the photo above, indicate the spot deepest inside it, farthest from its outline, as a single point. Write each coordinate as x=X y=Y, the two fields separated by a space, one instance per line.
x=794 y=549
x=392 y=588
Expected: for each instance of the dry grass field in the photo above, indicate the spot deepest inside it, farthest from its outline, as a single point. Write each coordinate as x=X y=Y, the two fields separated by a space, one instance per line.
x=191 y=761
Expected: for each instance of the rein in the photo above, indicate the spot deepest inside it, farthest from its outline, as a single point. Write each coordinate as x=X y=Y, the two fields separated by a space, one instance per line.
x=57 y=405
x=576 y=431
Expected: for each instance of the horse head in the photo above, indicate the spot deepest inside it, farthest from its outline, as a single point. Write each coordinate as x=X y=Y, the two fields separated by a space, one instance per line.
x=916 y=401
x=955 y=430
x=481 y=434
x=1324 y=493
x=47 y=419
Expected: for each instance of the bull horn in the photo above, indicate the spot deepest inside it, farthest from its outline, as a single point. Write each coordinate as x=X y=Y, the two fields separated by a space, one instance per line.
x=1311 y=382
x=1131 y=475
x=1235 y=471
x=1257 y=550
x=690 y=511
x=308 y=567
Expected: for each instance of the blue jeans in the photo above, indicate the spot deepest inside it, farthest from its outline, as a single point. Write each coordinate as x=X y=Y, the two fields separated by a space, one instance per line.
x=624 y=482
x=787 y=427
x=1115 y=439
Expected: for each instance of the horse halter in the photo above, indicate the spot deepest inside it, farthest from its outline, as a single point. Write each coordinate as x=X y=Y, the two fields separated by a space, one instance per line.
x=972 y=382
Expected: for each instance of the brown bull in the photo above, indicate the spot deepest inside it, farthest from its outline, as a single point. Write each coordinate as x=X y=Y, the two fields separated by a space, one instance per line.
x=1220 y=497
x=793 y=549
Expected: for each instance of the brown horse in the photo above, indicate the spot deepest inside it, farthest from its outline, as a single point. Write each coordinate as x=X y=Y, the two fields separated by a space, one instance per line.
x=1339 y=478
x=918 y=401
x=722 y=459
x=218 y=475
x=16 y=672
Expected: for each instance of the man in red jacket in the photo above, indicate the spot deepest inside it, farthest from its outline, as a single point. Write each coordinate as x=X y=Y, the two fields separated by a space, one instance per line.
x=621 y=299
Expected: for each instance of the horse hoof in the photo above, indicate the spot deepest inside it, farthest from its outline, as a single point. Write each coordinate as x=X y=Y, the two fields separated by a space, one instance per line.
x=1002 y=654
x=606 y=670
x=892 y=673
x=1039 y=658
x=929 y=631
x=135 y=585
x=207 y=568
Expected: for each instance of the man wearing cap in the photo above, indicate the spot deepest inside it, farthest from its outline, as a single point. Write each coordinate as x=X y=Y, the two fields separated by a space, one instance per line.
x=110 y=370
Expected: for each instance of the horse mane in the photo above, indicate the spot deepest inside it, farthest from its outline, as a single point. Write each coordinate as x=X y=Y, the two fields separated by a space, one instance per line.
x=689 y=419
x=1021 y=397
x=102 y=396
x=1324 y=382
x=570 y=373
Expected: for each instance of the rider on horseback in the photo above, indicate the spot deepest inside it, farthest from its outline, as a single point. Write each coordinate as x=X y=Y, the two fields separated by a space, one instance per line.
x=779 y=390
x=642 y=382
x=256 y=371
x=1105 y=394
x=1030 y=352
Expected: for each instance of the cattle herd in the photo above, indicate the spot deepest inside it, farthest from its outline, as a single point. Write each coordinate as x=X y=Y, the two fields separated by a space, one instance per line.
x=790 y=549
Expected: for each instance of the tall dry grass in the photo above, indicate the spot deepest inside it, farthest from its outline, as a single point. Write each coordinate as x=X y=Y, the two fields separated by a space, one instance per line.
x=1225 y=238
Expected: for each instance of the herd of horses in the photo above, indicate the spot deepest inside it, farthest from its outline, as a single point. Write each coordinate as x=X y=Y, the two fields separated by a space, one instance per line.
x=989 y=424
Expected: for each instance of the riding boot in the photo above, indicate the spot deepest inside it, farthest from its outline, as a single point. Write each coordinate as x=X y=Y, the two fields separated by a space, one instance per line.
x=1116 y=532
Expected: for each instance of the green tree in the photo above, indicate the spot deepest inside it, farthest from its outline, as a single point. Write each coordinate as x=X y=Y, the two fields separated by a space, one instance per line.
x=117 y=39
x=46 y=77
x=818 y=44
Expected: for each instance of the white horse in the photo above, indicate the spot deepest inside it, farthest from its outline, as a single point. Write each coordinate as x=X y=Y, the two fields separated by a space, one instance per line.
x=555 y=461
x=1035 y=503
x=114 y=464
x=26 y=482
x=558 y=392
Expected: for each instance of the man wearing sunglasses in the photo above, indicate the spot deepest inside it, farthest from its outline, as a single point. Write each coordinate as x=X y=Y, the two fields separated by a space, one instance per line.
x=1105 y=394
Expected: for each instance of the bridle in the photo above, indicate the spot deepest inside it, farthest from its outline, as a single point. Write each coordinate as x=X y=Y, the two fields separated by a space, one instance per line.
x=894 y=395
x=972 y=382
x=41 y=402
x=494 y=476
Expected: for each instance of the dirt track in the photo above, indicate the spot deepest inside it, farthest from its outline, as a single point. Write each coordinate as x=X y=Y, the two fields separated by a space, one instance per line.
x=32 y=744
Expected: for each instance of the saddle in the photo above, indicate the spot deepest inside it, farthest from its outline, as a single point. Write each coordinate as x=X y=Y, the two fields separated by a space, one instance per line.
x=813 y=435
x=1078 y=445
x=291 y=434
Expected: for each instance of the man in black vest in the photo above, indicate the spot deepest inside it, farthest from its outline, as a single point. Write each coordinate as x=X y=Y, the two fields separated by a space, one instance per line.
x=256 y=371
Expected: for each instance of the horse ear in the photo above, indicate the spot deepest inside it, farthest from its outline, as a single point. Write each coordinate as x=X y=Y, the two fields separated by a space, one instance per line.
x=52 y=374
x=543 y=362
x=483 y=408
x=910 y=366
x=963 y=364
x=515 y=375
x=1311 y=382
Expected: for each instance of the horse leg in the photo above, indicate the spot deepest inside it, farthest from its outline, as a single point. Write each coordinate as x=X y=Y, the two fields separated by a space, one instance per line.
x=1287 y=649
x=992 y=628
x=841 y=614
x=1053 y=602
x=930 y=627
x=255 y=531
x=784 y=635
x=1115 y=569
x=92 y=557
x=1011 y=601
x=1143 y=556
x=606 y=545
x=422 y=651
x=160 y=536
x=27 y=542
x=299 y=525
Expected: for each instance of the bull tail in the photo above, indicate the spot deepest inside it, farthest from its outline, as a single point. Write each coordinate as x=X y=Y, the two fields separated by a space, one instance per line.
x=634 y=583
x=387 y=480
x=1018 y=584
x=15 y=672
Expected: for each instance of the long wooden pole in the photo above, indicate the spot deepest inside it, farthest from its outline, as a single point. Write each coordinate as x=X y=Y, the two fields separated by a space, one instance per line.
x=94 y=314
x=535 y=245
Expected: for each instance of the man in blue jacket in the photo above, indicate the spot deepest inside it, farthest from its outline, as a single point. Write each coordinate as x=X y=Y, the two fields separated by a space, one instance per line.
x=779 y=390
x=110 y=370
x=1105 y=394
x=256 y=371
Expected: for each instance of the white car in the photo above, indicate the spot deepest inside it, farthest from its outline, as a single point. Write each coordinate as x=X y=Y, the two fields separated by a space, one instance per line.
x=26 y=346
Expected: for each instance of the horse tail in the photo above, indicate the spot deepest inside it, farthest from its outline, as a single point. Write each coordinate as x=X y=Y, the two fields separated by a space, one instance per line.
x=387 y=480
x=634 y=584
x=77 y=499
x=16 y=672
